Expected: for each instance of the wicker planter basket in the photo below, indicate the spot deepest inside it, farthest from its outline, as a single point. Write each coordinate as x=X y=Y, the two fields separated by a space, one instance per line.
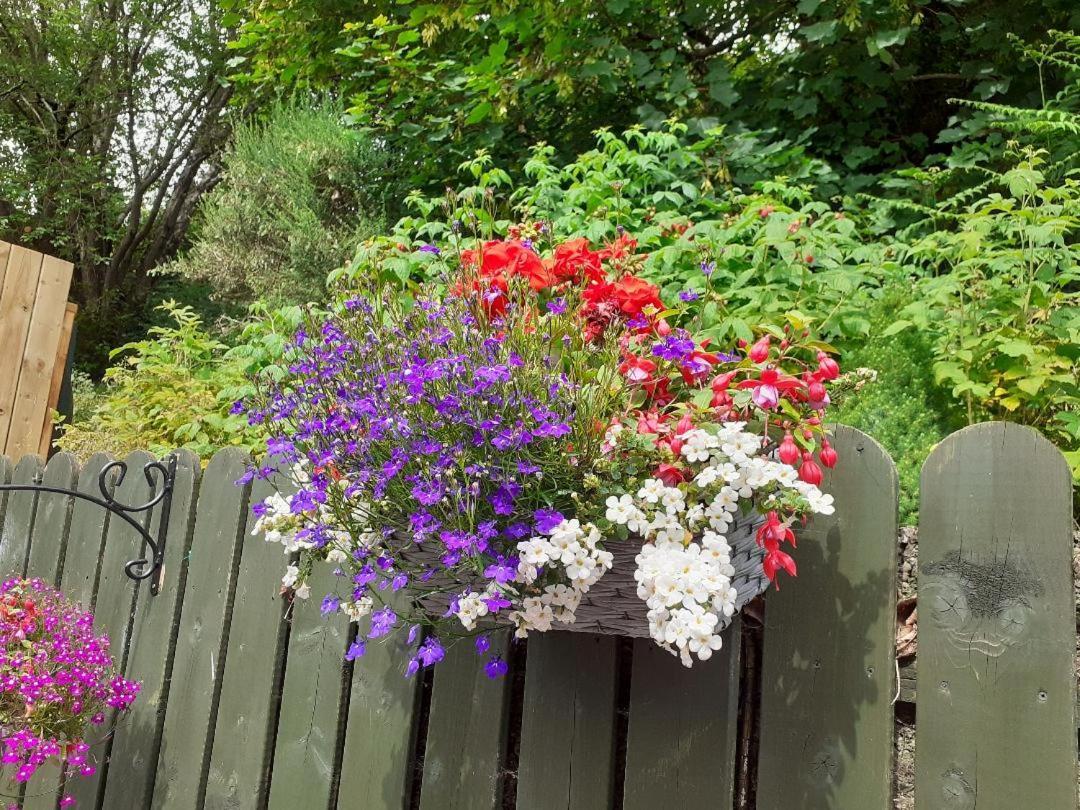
x=612 y=607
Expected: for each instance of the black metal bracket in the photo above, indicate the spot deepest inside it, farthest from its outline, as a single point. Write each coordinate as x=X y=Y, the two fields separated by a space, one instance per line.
x=142 y=568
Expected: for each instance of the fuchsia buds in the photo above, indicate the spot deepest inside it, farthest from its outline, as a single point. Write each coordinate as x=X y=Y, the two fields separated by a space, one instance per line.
x=809 y=471
x=828 y=367
x=788 y=452
x=759 y=352
x=828 y=454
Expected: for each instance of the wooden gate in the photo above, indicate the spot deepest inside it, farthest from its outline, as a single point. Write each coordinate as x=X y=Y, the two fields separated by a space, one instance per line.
x=247 y=702
x=35 y=328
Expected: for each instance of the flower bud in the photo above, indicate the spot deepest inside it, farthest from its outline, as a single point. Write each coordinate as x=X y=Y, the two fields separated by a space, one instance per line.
x=828 y=454
x=827 y=367
x=759 y=352
x=788 y=452
x=809 y=471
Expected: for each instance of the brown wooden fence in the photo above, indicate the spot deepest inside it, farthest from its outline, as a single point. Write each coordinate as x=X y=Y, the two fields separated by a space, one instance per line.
x=35 y=327
x=247 y=703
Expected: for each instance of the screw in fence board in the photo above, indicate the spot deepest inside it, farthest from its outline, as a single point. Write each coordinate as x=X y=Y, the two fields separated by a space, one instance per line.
x=312 y=705
x=680 y=748
x=134 y=755
x=220 y=518
x=242 y=741
x=49 y=539
x=466 y=732
x=19 y=517
x=47 y=549
x=567 y=759
x=997 y=633
x=113 y=609
x=826 y=738
x=376 y=766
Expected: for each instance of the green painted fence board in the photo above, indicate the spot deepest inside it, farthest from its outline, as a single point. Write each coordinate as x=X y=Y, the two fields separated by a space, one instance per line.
x=183 y=758
x=312 y=704
x=86 y=536
x=567 y=755
x=240 y=759
x=47 y=544
x=826 y=732
x=150 y=656
x=997 y=633
x=113 y=608
x=49 y=538
x=19 y=518
x=680 y=747
x=5 y=478
x=377 y=762
x=466 y=732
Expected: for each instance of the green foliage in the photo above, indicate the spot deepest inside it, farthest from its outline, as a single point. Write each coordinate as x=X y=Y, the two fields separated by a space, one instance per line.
x=902 y=408
x=176 y=388
x=299 y=190
x=999 y=293
x=862 y=83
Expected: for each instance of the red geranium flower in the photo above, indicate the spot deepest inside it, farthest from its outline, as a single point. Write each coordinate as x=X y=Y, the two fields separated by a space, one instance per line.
x=634 y=294
x=573 y=260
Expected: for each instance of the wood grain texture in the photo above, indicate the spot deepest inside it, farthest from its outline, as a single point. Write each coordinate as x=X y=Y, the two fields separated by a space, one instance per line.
x=377 y=762
x=466 y=732
x=240 y=759
x=18 y=520
x=569 y=698
x=680 y=747
x=31 y=402
x=49 y=541
x=151 y=651
x=5 y=254
x=827 y=665
x=57 y=381
x=190 y=714
x=997 y=630
x=86 y=536
x=16 y=309
x=312 y=703
x=113 y=608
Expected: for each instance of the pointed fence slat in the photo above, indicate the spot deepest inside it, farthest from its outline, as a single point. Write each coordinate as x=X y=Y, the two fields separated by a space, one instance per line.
x=997 y=632
x=827 y=663
x=312 y=703
x=51 y=524
x=680 y=746
x=376 y=766
x=242 y=746
x=135 y=748
x=567 y=759
x=18 y=522
x=466 y=732
x=183 y=759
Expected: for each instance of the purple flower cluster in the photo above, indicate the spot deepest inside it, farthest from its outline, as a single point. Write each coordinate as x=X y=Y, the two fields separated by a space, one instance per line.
x=56 y=677
x=430 y=439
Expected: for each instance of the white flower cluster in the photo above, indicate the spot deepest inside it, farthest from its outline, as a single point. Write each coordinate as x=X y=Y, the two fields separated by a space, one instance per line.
x=684 y=569
x=575 y=549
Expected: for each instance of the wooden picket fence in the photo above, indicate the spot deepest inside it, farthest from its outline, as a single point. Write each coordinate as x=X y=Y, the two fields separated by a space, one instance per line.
x=247 y=702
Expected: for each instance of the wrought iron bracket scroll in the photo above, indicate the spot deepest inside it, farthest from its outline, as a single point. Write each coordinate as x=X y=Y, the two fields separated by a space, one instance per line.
x=165 y=470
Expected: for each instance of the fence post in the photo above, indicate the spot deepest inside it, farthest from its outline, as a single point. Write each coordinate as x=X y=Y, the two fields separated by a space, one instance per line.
x=997 y=633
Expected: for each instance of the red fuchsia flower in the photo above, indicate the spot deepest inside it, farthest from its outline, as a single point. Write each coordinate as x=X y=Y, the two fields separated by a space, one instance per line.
x=828 y=454
x=770 y=535
x=768 y=388
x=809 y=471
x=788 y=452
x=827 y=367
x=759 y=352
x=574 y=261
x=698 y=364
x=637 y=369
x=817 y=396
x=650 y=422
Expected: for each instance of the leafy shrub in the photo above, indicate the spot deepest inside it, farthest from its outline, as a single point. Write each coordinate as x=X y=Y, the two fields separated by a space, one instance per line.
x=299 y=191
x=176 y=389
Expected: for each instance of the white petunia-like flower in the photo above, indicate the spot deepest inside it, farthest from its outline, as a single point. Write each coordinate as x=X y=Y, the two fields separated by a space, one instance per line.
x=652 y=490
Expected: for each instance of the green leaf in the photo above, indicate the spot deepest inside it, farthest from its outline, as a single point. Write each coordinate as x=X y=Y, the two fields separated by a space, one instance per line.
x=896 y=327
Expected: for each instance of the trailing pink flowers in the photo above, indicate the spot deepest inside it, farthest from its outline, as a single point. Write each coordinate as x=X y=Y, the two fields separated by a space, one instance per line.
x=57 y=677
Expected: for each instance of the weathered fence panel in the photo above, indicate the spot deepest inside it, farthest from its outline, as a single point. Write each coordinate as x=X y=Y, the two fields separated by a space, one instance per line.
x=247 y=702
x=827 y=664
x=997 y=624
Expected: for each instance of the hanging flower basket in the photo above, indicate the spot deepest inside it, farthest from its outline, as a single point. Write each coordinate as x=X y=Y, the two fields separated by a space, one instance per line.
x=543 y=444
